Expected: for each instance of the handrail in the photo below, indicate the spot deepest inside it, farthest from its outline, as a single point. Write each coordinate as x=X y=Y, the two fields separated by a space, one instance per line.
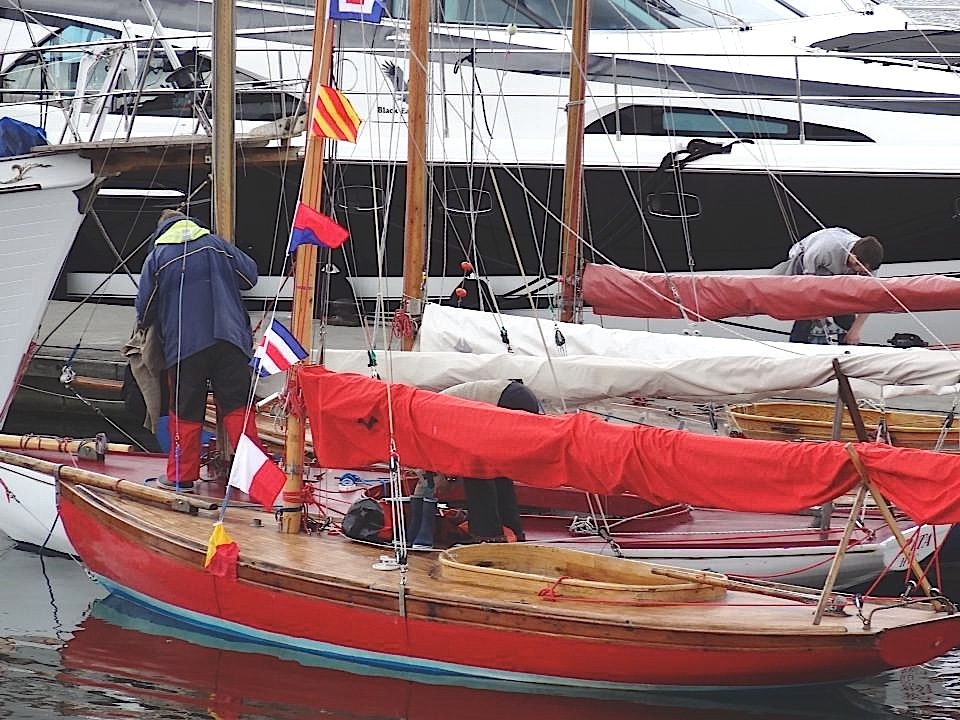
x=802 y=52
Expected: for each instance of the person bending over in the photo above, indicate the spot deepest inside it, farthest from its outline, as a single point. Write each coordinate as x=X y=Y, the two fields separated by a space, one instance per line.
x=832 y=251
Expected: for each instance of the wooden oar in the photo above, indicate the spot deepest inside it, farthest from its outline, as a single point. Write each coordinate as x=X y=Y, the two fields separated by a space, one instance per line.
x=107 y=482
x=105 y=386
x=707 y=578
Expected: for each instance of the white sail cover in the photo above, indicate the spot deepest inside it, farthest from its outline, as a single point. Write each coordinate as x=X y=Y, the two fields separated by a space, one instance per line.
x=579 y=379
x=593 y=362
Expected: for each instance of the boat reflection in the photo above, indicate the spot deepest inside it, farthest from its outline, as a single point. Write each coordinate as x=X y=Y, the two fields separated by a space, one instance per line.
x=132 y=654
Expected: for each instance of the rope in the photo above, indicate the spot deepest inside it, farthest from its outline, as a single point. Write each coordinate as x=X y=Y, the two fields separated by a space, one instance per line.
x=403 y=324
x=114 y=425
x=909 y=552
x=396 y=508
x=304 y=496
x=550 y=593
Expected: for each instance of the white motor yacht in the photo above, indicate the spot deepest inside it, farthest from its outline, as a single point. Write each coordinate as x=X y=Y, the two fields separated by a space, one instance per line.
x=717 y=133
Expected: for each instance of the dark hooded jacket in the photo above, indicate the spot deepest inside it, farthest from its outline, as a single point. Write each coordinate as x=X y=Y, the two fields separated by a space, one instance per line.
x=190 y=288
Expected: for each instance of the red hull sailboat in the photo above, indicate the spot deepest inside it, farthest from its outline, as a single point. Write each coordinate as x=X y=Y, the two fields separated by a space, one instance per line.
x=782 y=547
x=326 y=596
x=517 y=612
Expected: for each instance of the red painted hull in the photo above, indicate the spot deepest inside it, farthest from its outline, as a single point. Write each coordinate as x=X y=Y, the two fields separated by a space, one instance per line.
x=432 y=644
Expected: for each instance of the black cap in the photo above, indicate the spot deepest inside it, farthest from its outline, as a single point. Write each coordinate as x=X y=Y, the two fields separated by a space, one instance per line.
x=517 y=396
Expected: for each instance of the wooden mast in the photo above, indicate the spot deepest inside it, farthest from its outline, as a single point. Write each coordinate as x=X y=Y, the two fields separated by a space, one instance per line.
x=415 y=226
x=224 y=113
x=305 y=267
x=573 y=172
x=224 y=159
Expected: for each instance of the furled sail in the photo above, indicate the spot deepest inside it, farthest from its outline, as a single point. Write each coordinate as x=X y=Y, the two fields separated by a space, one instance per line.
x=578 y=379
x=354 y=419
x=446 y=328
x=631 y=293
x=740 y=366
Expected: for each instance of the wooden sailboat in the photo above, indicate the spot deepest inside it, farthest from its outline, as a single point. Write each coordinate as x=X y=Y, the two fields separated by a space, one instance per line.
x=335 y=598
x=545 y=617
x=782 y=547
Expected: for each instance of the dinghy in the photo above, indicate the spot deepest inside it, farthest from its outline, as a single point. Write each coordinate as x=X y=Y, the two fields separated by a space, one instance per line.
x=796 y=420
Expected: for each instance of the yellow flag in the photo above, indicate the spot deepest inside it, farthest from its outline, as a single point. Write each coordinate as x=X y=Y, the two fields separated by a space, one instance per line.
x=222 y=553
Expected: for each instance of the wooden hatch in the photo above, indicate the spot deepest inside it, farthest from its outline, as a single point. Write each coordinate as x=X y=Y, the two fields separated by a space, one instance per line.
x=569 y=573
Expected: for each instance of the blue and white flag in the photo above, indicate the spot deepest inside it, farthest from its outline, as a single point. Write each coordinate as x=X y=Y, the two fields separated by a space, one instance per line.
x=277 y=351
x=369 y=11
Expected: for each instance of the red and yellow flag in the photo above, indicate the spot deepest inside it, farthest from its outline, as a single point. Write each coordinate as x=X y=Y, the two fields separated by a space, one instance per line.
x=222 y=554
x=334 y=116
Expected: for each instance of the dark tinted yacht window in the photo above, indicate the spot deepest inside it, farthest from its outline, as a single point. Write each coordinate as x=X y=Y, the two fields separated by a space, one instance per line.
x=606 y=14
x=648 y=120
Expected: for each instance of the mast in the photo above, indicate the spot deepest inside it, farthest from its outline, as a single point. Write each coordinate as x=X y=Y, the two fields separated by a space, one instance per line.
x=305 y=268
x=224 y=102
x=415 y=228
x=573 y=172
x=223 y=165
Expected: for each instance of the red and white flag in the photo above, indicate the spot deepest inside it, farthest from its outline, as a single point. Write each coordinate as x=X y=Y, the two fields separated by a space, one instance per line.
x=256 y=474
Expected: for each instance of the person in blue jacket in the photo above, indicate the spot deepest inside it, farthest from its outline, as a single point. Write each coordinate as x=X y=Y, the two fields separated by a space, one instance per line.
x=190 y=289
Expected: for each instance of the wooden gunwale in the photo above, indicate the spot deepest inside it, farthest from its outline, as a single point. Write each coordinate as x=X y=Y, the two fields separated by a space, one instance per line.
x=427 y=601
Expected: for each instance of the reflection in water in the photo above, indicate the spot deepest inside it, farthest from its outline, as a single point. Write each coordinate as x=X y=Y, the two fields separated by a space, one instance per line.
x=134 y=653
x=42 y=597
x=66 y=651
x=931 y=691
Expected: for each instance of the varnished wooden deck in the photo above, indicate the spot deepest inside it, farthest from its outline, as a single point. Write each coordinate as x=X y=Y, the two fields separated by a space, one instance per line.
x=313 y=563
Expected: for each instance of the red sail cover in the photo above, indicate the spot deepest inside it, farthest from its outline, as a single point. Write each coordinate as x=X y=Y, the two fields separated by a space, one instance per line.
x=631 y=293
x=351 y=417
